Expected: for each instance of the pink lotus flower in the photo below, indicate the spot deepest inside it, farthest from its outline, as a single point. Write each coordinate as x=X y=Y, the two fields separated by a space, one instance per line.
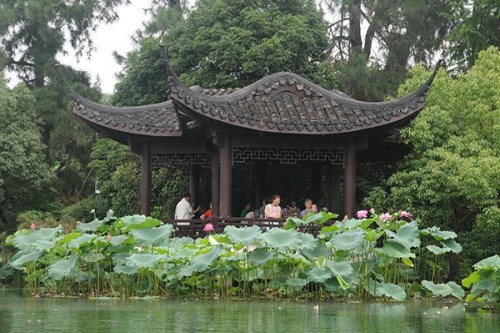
x=385 y=217
x=372 y=210
x=208 y=227
x=405 y=214
x=362 y=214
x=109 y=238
x=33 y=226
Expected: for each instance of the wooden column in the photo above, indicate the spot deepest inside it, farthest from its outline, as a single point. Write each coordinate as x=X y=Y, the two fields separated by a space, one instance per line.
x=194 y=184
x=334 y=188
x=146 y=179
x=350 y=179
x=260 y=182
x=215 y=183
x=316 y=183
x=226 y=175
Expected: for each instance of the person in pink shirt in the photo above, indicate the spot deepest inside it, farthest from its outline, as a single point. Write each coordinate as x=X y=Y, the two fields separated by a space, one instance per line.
x=273 y=210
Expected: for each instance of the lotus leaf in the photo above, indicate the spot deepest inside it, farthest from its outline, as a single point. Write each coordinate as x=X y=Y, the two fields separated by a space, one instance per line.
x=456 y=290
x=141 y=222
x=25 y=256
x=407 y=235
x=143 y=260
x=127 y=270
x=245 y=235
x=391 y=290
x=281 y=239
x=153 y=236
x=118 y=240
x=62 y=268
x=452 y=245
x=89 y=227
x=292 y=223
x=203 y=261
x=492 y=262
x=259 y=256
x=396 y=249
x=437 y=289
x=42 y=239
x=437 y=250
x=348 y=240
x=340 y=268
x=320 y=250
x=438 y=234
x=295 y=282
x=319 y=274
x=83 y=240
x=307 y=241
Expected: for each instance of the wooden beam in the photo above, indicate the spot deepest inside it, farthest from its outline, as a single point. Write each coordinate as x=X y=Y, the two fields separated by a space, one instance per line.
x=145 y=207
x=226 y=175
x=215 y=183
x=316 y=182
x=260 y=182
x=350 y=179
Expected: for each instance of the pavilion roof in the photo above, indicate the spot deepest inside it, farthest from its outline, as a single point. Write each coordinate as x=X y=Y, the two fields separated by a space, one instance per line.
x=280 y=103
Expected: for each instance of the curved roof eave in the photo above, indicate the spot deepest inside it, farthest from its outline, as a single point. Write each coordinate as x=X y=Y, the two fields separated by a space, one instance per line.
x=156 y=120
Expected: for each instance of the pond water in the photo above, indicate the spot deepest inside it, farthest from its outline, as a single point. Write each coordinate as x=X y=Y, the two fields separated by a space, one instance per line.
x=19 y=313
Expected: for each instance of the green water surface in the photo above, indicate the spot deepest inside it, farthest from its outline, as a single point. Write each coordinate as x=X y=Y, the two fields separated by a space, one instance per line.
x=20 y=313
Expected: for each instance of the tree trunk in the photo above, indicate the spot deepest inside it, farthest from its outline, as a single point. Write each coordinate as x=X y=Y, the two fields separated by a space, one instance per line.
x=355 y=41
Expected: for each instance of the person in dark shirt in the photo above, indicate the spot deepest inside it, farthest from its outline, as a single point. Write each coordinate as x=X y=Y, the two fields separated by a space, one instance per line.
x=246 y=210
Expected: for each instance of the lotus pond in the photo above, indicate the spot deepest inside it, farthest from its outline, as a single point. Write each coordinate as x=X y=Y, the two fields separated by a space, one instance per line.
x=19 y=313
x=374 y=257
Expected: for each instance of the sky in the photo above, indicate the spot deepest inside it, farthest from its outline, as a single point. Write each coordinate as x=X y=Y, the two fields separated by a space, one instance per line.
x=106 y=38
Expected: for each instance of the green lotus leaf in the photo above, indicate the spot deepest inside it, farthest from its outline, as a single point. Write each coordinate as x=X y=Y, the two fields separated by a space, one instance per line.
x=83 y=240
x=296 y=282
x=319 y=274
x=407 y=234
x=185 y=271
x=23 y=257
x=492 y=262
x=456 y=290
x=332 y=285
x=259 y=256
x=141 y=222
x=396 y=249
x=292 y=223
x=348 y=240
x=203 y=261
x=452 y=245
x=307 y=241
x=340 y=268
x=62 y=268
x=123 y=269
x=313 y=218
x=328 y=230
x=342 y=283
x=437 y=250
x=245 y=235
x=438 y=234
x=143 y=260
x=281 y=239
x=471 y=279
x=92 y=256
x=119 y=240
x=320 y=250
x=391 y=290
x=43 y=239
x=352 y=223
x=437 y=289
x=152 y=236
x=327 y=216
x=89 y=227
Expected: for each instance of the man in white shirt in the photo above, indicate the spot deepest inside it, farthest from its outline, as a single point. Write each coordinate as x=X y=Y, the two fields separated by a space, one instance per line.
x=184 y=210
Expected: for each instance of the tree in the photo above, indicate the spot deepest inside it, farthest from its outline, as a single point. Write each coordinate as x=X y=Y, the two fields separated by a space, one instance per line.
x=33 y=32
x=25 y=177
x=231 y=44
x=451 y=178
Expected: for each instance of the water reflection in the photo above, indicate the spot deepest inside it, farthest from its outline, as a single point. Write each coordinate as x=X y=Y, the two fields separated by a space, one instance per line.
x=24 y=314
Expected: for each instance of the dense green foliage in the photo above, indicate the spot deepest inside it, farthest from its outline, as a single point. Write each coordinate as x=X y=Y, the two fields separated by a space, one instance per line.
x=25 y=178
x=451 y=178
x=231 y=44
x=371 y=257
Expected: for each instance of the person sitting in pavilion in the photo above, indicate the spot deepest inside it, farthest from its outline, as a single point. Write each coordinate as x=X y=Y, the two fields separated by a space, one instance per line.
x=207 y=214
x=273 y=210
x=184 y=210
x=309 y=208
x=246 y=210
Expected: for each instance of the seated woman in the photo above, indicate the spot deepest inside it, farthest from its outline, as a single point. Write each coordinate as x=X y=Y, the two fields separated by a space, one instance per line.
x=273 y=210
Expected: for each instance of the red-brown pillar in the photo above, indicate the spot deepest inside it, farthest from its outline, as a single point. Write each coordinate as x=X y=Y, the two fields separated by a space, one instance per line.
x=226 y=176
x=334 y=188
x=350 y=179
x=146 y=179
x=194 y=183
x=215 y=183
